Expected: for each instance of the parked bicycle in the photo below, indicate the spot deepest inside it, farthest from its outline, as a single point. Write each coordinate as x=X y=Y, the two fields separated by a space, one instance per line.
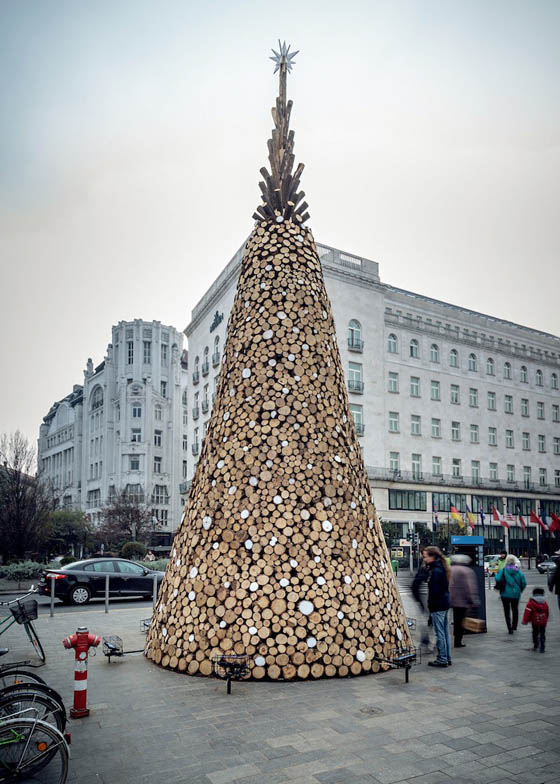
x=24 y=611
x=17 y=672
x=30 y=747
x=46 y=703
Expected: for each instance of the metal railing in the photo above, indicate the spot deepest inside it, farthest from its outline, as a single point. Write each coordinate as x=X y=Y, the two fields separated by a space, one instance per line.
x=355 y=345
x=356 y=386
x=205 y=368
x=195 y=377
x=195 y=449
x=360 y=429
x=216 y=359
x=427 y=477
x=204 y=405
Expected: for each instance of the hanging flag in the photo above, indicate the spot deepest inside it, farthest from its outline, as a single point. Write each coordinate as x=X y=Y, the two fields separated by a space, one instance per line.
x=482 y=517
x=436 y=519
x=509 y=517
x=520 y=516
x=456 y=515
x=471 y=518
x=535 y=519
x=497 y=518
x=555 y=524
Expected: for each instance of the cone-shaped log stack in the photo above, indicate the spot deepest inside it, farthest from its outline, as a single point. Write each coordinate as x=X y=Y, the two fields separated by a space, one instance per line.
x=280 y=555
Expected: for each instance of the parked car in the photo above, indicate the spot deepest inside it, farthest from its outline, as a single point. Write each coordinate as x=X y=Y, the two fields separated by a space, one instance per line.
x=81 y=581
x=546 y=566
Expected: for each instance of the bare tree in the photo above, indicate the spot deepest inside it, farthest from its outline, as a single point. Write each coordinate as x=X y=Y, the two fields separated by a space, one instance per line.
x=25 y=502
x=125 y=519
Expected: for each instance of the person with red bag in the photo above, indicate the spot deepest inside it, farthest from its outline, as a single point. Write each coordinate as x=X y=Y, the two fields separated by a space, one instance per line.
x=536 y=613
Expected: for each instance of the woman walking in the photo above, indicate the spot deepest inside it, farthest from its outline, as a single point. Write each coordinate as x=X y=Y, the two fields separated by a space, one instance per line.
x=439 y=575
x=511 y=583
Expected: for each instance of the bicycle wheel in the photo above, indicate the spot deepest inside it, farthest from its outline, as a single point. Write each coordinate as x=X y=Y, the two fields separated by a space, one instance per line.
x=34 y=640
x=29 y=747
x=32 y=704
x=10 y=676
x=40 y=688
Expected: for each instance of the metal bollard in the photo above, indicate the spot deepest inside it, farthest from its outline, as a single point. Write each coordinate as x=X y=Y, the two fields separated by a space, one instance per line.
x=154 y=592
x=52 y=597
x=106 y=593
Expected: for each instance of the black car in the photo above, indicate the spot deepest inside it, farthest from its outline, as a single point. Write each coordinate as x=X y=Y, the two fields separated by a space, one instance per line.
x=78 y=582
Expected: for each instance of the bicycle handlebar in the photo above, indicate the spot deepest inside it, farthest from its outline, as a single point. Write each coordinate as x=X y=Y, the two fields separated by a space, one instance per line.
x=33 y=590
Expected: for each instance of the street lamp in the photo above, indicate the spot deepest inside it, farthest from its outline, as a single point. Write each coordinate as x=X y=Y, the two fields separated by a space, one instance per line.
x=530 y=548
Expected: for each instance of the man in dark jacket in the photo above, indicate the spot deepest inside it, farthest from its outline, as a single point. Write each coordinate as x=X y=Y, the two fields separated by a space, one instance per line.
x=463 y=593
x=438 y=603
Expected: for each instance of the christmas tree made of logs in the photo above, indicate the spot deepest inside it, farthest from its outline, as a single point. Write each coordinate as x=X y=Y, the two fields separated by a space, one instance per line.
x=280 y=556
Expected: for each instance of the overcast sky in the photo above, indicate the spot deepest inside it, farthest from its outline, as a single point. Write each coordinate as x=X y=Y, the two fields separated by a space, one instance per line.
x=132 y=133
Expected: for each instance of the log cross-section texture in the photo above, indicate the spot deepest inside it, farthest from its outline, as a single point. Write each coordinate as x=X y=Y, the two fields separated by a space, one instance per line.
x=280 y=556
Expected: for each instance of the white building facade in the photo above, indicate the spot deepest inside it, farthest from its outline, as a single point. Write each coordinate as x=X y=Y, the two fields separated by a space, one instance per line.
x=124 y=429
x=452 y=407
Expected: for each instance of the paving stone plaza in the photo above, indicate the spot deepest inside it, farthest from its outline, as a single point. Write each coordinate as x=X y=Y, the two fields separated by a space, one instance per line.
x=492 y=717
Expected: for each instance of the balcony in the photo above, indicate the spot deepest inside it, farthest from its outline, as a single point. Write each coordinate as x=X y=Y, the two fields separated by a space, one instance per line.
x=204 y=405
x=355 y=345
x=195 y=377
x=205 y=368
x=184 y=487
x=216 y=359
x=477 y=483
x=195 y=412
x=355 y=386
x=360 y=428
x=195 y=448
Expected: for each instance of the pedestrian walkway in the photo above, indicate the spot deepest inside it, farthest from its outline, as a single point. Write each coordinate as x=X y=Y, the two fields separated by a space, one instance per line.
x=492 y=717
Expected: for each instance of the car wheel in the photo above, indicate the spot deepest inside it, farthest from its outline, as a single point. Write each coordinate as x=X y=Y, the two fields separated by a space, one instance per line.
x=80 y=594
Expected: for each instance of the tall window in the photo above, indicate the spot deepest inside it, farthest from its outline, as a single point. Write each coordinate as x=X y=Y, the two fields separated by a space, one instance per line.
x=524 y=407
x=130 y=352
x=435 y=390
x=492 y=436
x=415 y=425
x=164 y=354
x=134 y=463
x=136 y=434
x=455 y=393
x=474 y=434
x=147 y=352
x=414 y=386
x=539 y=378
x=354 y=334
x=157 y=465
x=436 y=465
x=358 y=415
x=355 y=383
x=555 y=413
x=473 y=397
x=393 y=382
x=434 y=353
x=157 y=437
x=557 y=477
x=393 y=422
x=416 y=466
x=542 y=477
x=97 y=398
x=454 y=358
x=507 y=370
x=508 y=404
x=475 y=470
x=527 y=477
x=185 y=443
x=157 y=412
x=456 y=467
x=160 y=495
x=526 y=441
x=554 y=381
x=493 y=472
x=490 y=367
x=509 y=439
x=523 y=375
x=163 y=388
x=472 y=362
x=540 y=410
x=556 y=445
x=542 y=443
x=414 y=349
x=491 y=401
x=436 y=428
x=455 y=431
x=392 y=344
x=136 y=412
x=510 y=472
x=394 y=461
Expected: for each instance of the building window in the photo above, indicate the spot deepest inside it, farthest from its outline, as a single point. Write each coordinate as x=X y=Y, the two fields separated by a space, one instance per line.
x=157 y=413
x=556 y=477
x=393 y=382
x=540 y=410
x=493 y=472
x=435 y=390
x=443 y=501
x=527 y=477
x=394 y=461
x=523 y=375
x=414 y=349
x=160 y=495
x=455 y=431
x=556 y=445
x=185 y=418
x=136 y=412
x=157 y=437
x=436 y=428
x=185 y=443
x=524 y=407
x=393 y=422
x=554 y=381
x=130 y=352
x=555 y=413
x=510 y=472
x=136 y=435
x=134 y=463
x=454 y=358
x=357 y=414
x=491 y=401
x=392 y=344
x=492 y=436
x=473 y=362
x=456 y=468
x=147 y=352
x=507 y=370
x=355 y=383
x=475 y=470
x=539 y=378
x=490 y=367
x=411 y=500
x=434 y=353
x=455 y=393
x=185 y=398
x=508 y=404
x=526 y=441
x=542 y=443
x=474 y=434
x=509 y=439
x=355 y=335
x=473 y=397
x=414 y=386
x=157 y=465
x=436 y=465
x=164 y=355
x=417 y=466
x=185 y=464
x=415 y=425
x=163 y=388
